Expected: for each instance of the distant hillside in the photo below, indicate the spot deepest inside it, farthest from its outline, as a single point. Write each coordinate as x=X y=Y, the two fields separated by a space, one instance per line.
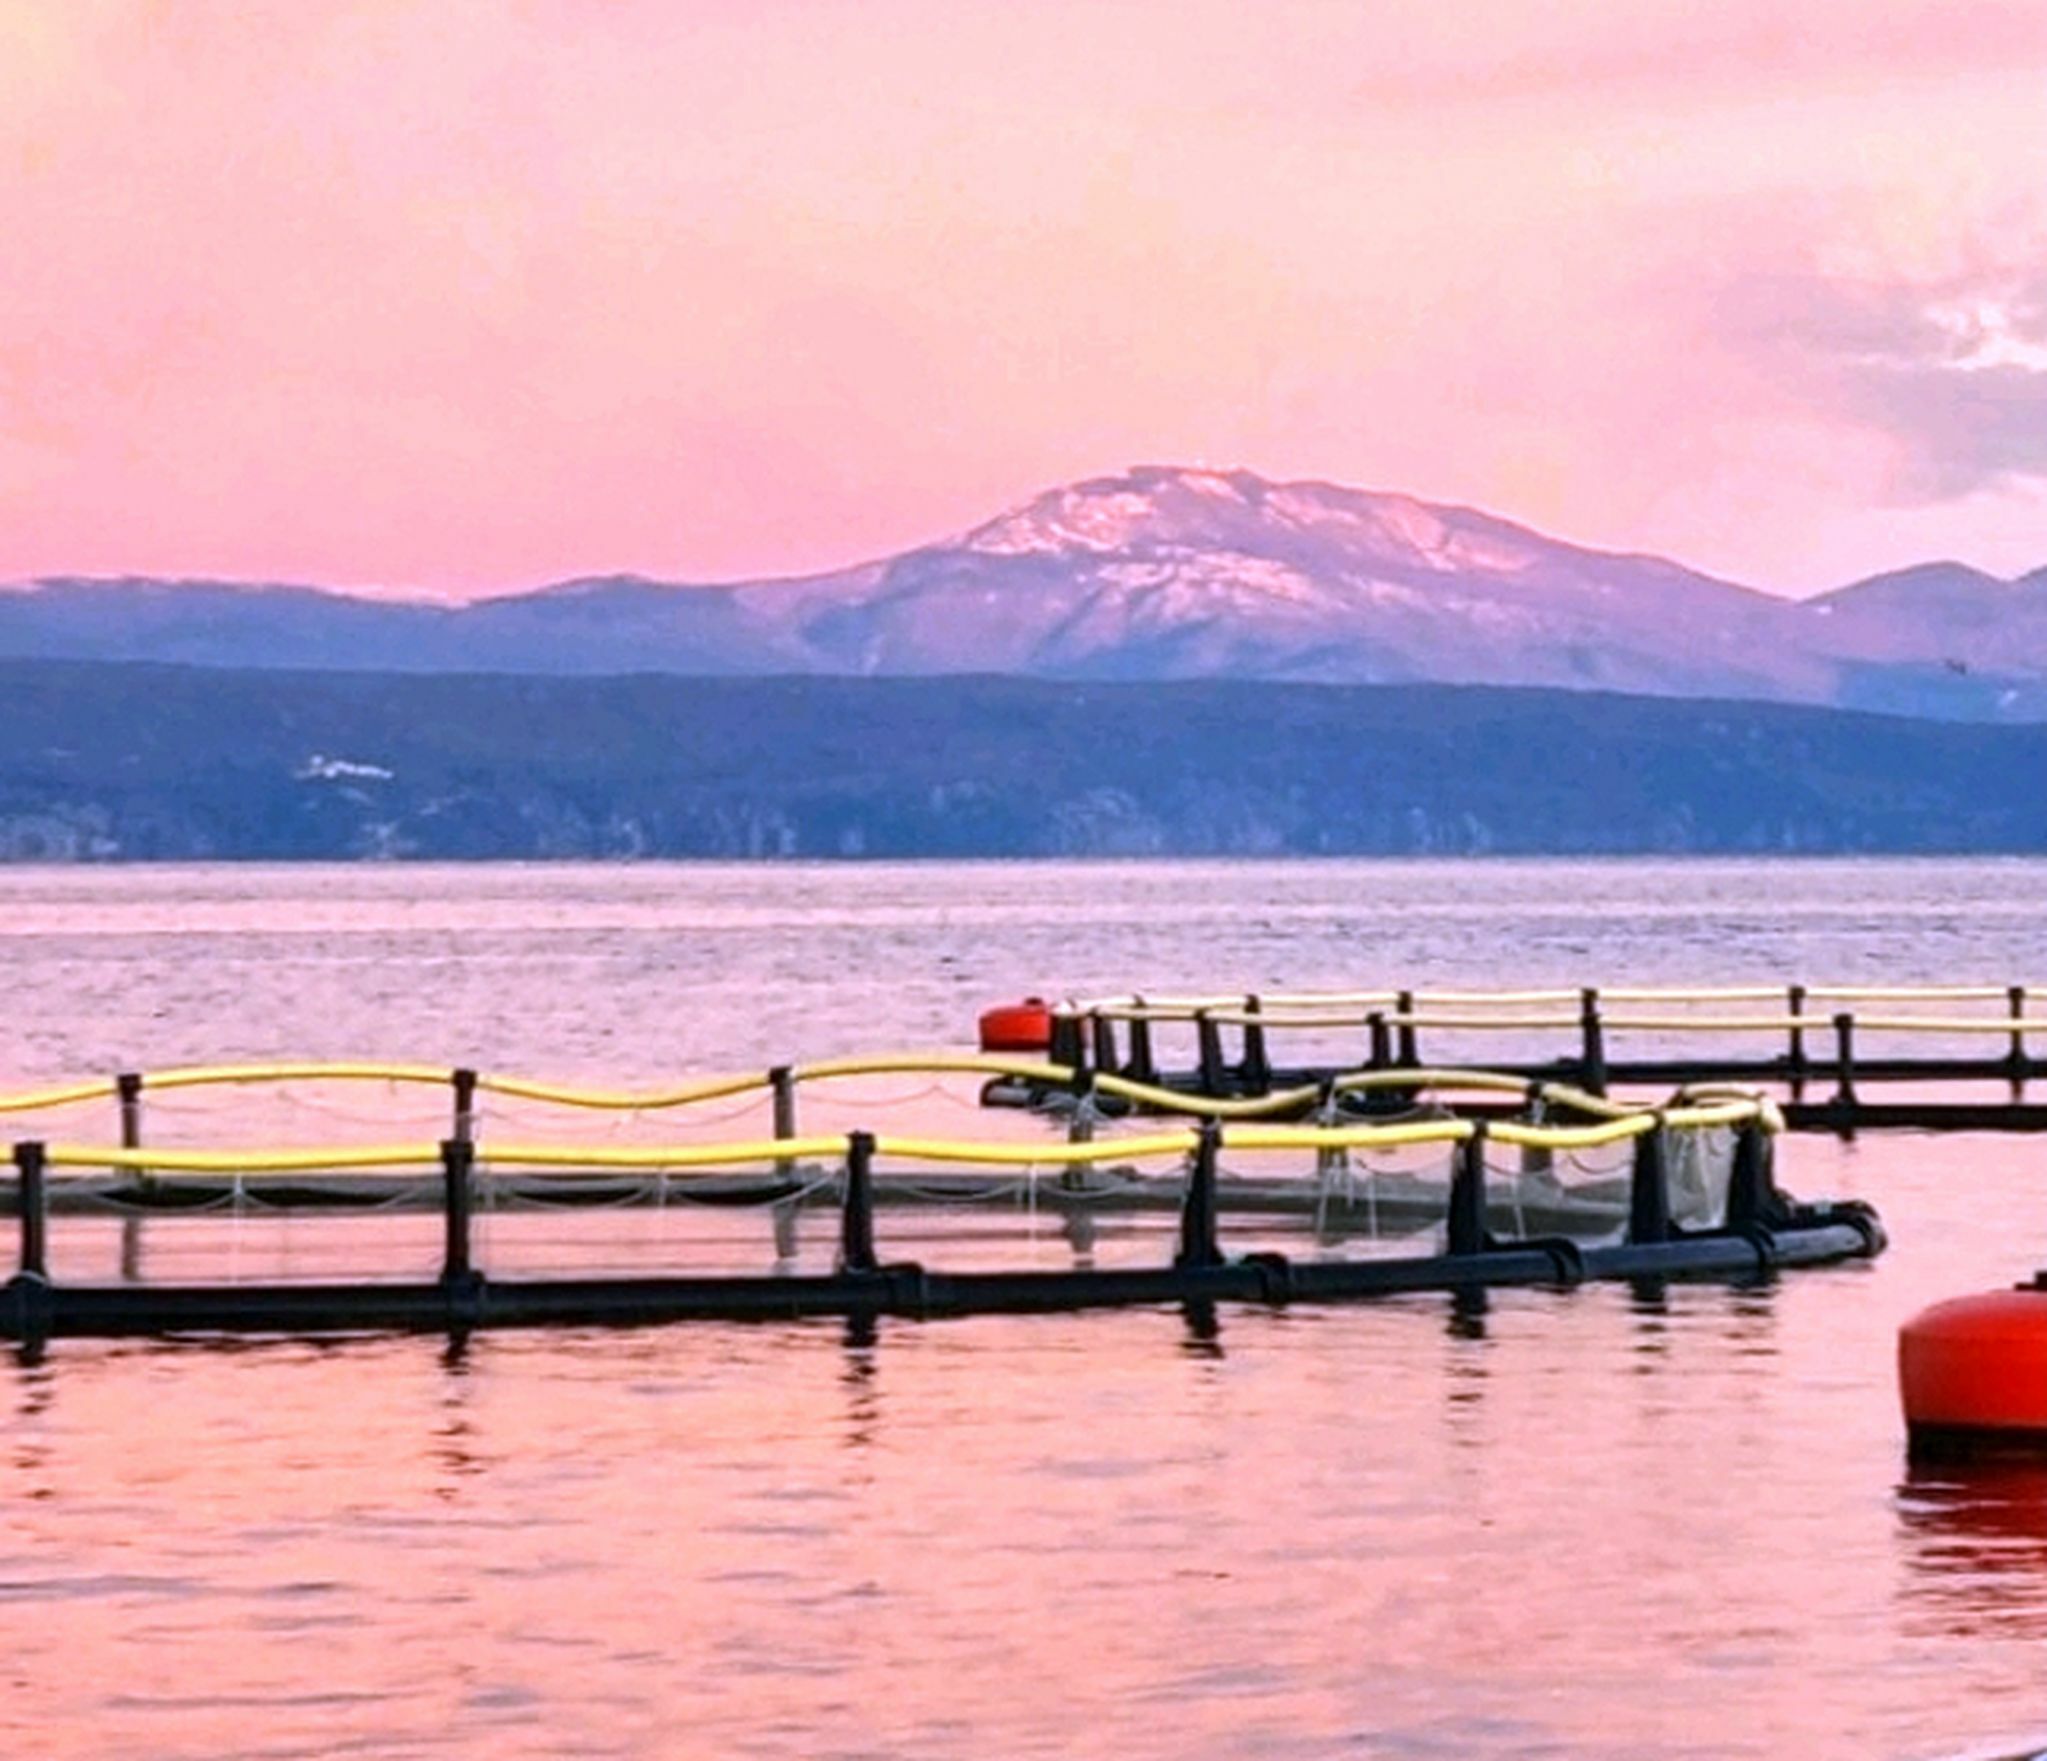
x=1159 y=573
x=138 y=762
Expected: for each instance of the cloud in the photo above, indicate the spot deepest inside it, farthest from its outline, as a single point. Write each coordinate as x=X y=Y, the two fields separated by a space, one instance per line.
x=1489 y=51
x=1951 y=371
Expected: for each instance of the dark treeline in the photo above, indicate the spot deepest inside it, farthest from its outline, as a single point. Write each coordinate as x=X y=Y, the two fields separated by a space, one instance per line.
x=134 y=761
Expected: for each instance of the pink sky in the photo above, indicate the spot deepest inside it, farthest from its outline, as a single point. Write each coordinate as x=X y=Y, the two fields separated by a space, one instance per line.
x=463 y=295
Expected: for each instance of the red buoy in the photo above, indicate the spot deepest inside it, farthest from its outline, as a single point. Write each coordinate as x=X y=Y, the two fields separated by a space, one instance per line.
x=1973 y=1374
x=1017 y=1027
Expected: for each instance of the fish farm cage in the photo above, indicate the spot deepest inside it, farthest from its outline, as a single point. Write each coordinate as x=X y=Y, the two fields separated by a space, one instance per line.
x=770 y=1194
x=1943 y=1057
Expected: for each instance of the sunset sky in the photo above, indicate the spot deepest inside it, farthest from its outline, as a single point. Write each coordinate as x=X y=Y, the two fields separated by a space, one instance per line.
x=473 y=294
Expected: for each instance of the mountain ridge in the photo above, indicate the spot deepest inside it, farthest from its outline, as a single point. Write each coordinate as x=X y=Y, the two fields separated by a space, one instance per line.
x=1159 y=572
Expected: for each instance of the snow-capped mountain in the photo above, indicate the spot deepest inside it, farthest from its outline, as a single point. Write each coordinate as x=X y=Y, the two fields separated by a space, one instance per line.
x=1160 y=572
x=1168 y=573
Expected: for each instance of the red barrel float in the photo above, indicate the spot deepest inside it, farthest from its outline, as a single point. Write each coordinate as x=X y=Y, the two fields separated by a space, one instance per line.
x=1018 y=1027
x=1973 y=1374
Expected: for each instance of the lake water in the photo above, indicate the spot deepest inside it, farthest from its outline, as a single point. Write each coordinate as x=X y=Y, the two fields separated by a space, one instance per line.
x=1604 y=1522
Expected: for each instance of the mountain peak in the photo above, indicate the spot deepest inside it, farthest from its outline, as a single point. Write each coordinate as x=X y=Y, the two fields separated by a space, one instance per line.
x=1150 y=510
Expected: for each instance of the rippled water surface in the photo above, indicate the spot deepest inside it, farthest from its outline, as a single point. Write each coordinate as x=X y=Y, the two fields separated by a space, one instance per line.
x=1607 y=1522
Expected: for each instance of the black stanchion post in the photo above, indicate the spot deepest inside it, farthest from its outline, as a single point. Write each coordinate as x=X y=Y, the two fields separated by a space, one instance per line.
x=1466 y=1219
x=128 y=1091
x=463 y=1083
x=1257 y=1066
x=458 y=1161
x=1592 y=1042
x=1844 y=1065
x=1649 y=1189
x=1105 y=1042
x=2016 y=998
x=1142 y=1067
x=1199 y=1247
x=1794 y=1059
x=782 y=1093
x=1751 y=1188
x=1410 y=1049
x=1382 y=1040
x=32 y=1201
x=856 y=1215
x=1210 y=1036
x=1067 y=1045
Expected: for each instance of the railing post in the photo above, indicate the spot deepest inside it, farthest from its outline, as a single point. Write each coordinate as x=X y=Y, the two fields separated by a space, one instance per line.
x=1751 y=1187
x=1199 y=1247
x=856 y=1213
x=1257 y=1066
x=2016 y=996
x=128 y=1091
x=463 y=1082
x=1211 y=1040
x=1649 y=1189
x=1328 y=1162
x=1844 y=1063
x=1142 y=1067
x=1592 y=1042
x=458 y=1161
x=1794 y=1060
x=1067 y=1046
x=1382 y=1040
x=1105 y=1042
x=1410 y=1050
x=31 y=1200
x=1080 y=1128
x=1466 y=1220
x=782 y=1093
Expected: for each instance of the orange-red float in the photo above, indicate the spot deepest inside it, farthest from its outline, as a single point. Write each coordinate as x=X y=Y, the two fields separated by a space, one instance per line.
x=1017 y=1027
x=1973 y=1373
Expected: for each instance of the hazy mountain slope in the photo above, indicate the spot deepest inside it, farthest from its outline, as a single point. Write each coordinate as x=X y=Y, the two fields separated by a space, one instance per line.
x=112 y=761
x=1943 y=612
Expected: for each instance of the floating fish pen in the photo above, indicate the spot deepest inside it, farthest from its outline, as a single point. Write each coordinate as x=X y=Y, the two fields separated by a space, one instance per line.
x=1946 y=1057
x=1113 y=1193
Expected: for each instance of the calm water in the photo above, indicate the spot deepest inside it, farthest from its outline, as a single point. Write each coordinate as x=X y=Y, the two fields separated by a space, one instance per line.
x=1597 y=1523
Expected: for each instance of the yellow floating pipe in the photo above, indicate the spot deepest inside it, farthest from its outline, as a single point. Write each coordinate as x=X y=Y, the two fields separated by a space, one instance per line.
x=215 y=1075
x=262 y=1161
x=36 y=1100
x=621 y=1100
